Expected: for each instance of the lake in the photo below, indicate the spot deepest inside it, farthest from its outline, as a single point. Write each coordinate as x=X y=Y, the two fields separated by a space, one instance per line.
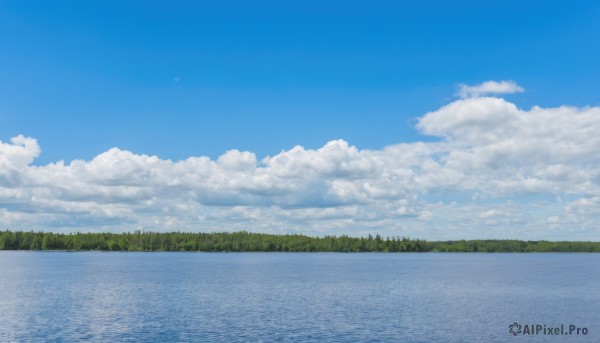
x=315 y=297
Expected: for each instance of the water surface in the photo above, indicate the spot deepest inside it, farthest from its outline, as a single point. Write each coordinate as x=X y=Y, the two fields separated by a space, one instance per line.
x=324 y=297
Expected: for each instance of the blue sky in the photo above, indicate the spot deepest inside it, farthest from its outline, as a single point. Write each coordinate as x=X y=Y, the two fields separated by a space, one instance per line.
x=263 y=76
x=186 y=78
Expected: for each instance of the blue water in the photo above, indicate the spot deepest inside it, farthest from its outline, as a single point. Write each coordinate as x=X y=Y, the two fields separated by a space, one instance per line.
x=319 y=297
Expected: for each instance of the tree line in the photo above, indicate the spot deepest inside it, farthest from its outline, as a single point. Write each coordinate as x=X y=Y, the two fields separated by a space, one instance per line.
x=246 y=242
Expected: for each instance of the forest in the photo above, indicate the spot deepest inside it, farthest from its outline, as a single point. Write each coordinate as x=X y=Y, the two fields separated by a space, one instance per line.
x=257 y=242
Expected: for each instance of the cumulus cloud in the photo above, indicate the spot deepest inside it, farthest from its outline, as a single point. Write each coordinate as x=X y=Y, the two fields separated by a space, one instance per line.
x=495 y=171
x=489 y=88
x=20 y=153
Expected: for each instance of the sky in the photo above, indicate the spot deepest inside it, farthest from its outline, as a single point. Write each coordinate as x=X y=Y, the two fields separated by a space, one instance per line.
x=426 y=119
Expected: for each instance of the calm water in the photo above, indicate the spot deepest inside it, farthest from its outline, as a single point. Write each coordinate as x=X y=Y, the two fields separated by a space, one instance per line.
x=157 y=297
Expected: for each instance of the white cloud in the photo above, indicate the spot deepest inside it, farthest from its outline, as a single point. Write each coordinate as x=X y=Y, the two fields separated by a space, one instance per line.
x=496 y=171
x=425 y=215
x=489 y=88
x=20 y=153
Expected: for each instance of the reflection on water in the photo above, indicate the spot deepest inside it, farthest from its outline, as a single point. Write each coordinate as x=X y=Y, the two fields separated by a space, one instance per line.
x=156 y=297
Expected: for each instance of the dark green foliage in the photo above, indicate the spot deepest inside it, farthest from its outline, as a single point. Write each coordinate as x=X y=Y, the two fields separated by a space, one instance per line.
x=246 y=241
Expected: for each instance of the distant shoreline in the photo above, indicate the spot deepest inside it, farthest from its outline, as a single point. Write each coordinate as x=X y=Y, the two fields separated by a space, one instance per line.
x=307 y=252
x=257 y=242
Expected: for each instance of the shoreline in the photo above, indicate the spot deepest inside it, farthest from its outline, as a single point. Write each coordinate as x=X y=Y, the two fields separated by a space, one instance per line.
x=244 y=241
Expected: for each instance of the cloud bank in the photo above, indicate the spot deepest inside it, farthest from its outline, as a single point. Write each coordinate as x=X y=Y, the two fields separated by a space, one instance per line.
x=496 y=171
